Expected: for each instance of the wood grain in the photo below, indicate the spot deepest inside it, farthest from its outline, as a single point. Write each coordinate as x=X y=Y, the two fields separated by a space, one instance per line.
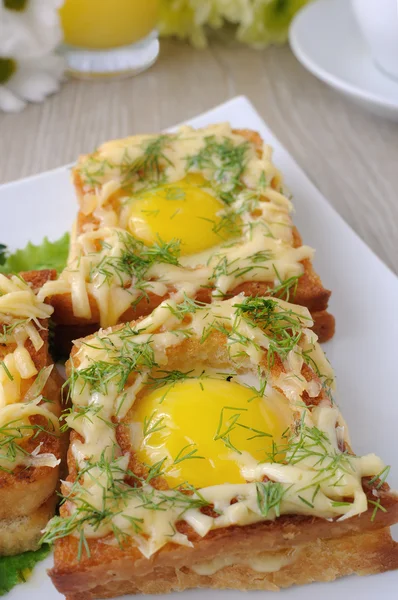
x=350 y=155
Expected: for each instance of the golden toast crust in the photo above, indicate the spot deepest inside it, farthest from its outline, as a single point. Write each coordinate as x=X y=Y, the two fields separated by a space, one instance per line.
x=318 y=560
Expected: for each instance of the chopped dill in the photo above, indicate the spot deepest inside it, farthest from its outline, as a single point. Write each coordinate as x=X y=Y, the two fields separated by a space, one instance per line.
x=169 y=379
x=269 y=496
x=228 y=268
x=186 y=307
x=226 y=162
x=129 y=358
x=282 y=327
x=184 y=454
x=377 y=506
x=227 y=424
x=380 y=477
x=150 y=166
x=7 y=330
x=134 y=261
x=151 y=425
x=7 y=372
x=307 y=502
x=92 y=171
x=14 y=433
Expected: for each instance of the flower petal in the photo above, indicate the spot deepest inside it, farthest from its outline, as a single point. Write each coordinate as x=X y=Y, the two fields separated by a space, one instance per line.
x=9 y=102
x=33 y=32
x=33 y=85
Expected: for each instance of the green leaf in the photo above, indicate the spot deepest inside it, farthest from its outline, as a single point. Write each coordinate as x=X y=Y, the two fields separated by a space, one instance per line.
x=16 y=569
x=47 y=255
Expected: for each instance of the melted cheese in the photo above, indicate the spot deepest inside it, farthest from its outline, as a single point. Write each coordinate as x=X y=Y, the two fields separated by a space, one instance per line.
x=18 y=300
x=316 y=478
x=265 y=562
x=263 y=252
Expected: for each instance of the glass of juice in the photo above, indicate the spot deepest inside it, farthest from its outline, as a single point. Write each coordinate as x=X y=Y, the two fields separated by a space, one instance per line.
x=109 y=38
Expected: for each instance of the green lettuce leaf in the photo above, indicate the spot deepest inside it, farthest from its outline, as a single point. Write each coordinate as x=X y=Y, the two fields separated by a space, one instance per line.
x=47 y=255
x=17 y=569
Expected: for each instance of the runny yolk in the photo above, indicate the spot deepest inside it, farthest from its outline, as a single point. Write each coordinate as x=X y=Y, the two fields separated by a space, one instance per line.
x=182 y=210
x=203 y=428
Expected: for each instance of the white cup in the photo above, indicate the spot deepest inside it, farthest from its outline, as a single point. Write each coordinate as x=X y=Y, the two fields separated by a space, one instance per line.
x=378 y=22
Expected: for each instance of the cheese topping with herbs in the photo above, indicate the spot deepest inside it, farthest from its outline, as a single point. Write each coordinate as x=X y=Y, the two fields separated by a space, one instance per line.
x=20 y=312
x=115 y=269
x=310 y=472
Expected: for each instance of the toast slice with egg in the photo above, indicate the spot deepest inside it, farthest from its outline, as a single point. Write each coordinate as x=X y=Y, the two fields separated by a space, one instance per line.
x=201 y=212
x=30 y=444
x=207 y=451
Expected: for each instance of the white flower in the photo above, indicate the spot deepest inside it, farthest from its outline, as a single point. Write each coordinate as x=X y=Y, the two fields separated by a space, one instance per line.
x=29 y=80
x=30 y=30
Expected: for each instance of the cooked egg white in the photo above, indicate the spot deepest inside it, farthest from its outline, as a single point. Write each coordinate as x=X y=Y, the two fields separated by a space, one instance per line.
x=183 y=210
x=202 y=427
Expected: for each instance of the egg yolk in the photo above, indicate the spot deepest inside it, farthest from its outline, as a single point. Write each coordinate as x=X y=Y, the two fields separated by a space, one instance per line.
x=201 y=427
x=182 y=210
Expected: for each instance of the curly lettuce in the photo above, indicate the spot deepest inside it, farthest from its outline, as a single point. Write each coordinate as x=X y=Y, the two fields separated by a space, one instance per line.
x=17 y=569
x=47 y=255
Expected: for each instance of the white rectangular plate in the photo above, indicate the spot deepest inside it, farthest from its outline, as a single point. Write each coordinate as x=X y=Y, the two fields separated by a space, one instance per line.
x=363 y=351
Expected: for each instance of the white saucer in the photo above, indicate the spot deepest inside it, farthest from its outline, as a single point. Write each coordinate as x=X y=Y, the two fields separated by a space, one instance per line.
x=326 y=40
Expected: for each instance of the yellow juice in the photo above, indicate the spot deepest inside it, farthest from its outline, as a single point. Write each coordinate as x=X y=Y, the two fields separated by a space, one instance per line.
x=101 y=24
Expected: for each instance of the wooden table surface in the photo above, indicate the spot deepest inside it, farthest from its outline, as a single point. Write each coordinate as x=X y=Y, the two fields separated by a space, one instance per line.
x=351 y=155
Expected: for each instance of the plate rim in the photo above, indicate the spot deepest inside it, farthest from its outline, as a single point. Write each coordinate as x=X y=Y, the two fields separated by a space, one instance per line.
x=321 y=73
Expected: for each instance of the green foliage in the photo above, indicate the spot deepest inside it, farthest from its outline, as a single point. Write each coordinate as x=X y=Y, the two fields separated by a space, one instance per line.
x=16 y=569
x=255 y=22
x=47 y=255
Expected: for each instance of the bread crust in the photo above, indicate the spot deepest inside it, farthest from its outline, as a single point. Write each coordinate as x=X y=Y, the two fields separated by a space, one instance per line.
x=318 y=559
x=23 y=533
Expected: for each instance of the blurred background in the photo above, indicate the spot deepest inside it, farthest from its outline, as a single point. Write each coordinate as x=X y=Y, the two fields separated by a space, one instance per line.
x=76 y=73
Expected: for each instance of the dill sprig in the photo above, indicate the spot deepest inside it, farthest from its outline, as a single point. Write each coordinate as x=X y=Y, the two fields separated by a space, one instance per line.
x=286 y=287
x=151 y=424
x=164 y=377
x=303 y=443
x=121 y=362
x=86 y=412
x=168 y=379
x=380 y=477
x=7 y=330
x=282 y=327
x=227 y=424
x=186 y=307
x=184 y=454
x=93 y=169
x=269 y=496
x=134 y=261
x=14 y=433
x=226 y=162
x=150 y=166
x=377 y=506
x=235 y=268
